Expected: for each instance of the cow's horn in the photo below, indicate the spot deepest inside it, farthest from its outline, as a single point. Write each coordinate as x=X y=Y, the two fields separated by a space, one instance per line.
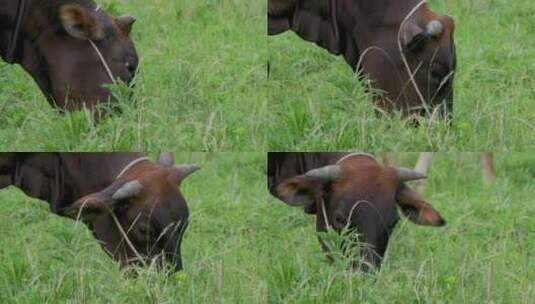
x=434 y=28
x=128 y=190
x=125 y=23
x=186 y=170
x=406 y=174
x=329 y=173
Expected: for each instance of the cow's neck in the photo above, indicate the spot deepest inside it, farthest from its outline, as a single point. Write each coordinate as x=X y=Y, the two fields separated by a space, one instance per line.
x=35 y=20
x=62 y=178
x=40 y=17
x=8 y=24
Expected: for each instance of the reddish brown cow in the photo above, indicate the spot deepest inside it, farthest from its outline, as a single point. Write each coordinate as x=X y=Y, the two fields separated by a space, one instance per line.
x=70 y=48
x=133 y=206
x=353 y=192
x=406 y=49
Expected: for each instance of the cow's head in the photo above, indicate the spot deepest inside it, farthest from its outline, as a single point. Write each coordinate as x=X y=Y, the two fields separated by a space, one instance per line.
x=59 y=55
x=414 y=64
x=407 y=50
x=362 y=196
x=141 y=216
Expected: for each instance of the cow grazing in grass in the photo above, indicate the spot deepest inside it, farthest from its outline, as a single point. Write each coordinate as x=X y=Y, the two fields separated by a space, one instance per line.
x=133 y=206
x=71 y=48
x=352 y=193
x=406 y=49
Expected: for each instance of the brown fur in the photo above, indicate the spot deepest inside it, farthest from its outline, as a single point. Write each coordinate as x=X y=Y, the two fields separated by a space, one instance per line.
x=54 y=50
x=365 y=33
x=364 y=196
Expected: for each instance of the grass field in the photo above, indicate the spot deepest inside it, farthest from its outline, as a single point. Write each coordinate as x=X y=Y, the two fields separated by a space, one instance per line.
x=241 y=249
x=319 y=104
x=201 y=85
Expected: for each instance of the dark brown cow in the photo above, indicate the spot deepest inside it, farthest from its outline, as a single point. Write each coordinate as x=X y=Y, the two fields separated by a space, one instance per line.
x=406 y=49
x=60 y=44
x=350 y=191
x=133 y=206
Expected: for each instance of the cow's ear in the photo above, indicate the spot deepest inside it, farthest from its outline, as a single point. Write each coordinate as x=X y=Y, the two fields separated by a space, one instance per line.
x=125 y=23
x=416 y=209
x=412 y=37
x=86 y=208
x=79 y=23
x=301 y=190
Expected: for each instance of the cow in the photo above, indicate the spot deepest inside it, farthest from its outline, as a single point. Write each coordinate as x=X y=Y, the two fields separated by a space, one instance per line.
x=404 y=48
x=350 y=193
x=132 y=205
x=71 y=48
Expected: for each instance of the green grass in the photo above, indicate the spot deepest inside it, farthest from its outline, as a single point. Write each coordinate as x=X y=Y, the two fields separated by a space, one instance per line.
x=201 y=85
x=243 y=246
x=319 y=104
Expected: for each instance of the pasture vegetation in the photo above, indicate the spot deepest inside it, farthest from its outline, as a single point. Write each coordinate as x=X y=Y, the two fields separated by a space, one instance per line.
x=318 y=103
x=201 y=85
x=245 y=247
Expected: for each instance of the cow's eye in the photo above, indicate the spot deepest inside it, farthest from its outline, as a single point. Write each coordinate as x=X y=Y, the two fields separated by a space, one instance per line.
x=416 y=44
x=131 y=66
x=143 y=230
x=439 y=71
x=121 y=207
